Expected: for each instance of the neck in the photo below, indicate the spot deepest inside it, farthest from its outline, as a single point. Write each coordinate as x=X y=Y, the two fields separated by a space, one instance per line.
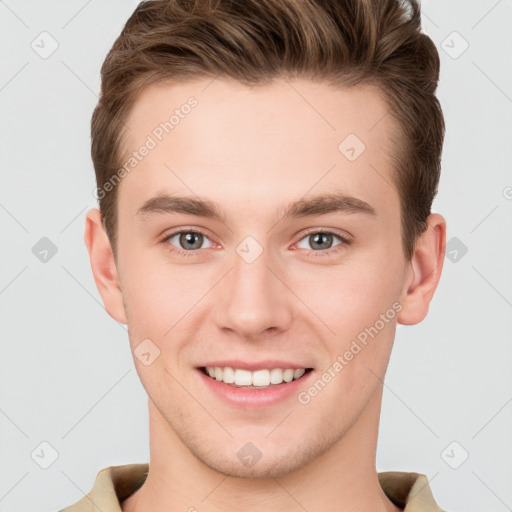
x=342 y=478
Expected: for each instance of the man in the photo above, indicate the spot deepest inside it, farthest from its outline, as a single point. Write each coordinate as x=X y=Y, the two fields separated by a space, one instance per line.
x=265 y=171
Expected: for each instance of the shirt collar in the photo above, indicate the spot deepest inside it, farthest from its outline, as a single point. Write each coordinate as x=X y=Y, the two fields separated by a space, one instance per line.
x=409 y=491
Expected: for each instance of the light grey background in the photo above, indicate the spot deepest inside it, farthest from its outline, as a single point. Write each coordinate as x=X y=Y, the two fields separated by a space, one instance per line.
x=66 y=372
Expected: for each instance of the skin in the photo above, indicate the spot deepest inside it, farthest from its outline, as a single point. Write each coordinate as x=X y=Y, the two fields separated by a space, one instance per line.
x=255 y=151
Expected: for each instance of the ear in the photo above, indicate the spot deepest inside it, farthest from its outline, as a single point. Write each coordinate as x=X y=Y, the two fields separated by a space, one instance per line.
x=423 y=272
x=103 y=265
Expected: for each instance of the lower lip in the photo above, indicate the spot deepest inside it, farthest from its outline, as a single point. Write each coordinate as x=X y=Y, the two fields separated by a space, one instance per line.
x=255 y=398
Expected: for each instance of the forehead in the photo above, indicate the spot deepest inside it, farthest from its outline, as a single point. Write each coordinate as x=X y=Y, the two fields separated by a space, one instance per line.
x=206 y=136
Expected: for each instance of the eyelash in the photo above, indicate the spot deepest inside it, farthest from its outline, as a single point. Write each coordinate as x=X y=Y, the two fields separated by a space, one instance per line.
x=319 y=253
x=332 y=251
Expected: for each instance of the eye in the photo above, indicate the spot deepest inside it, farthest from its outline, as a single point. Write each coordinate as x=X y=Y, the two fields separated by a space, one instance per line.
x=321 y=240
x=187 y=240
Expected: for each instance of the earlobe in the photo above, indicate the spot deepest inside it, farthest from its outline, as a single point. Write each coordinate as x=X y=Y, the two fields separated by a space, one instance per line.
x=424 y=271
x=103 y=265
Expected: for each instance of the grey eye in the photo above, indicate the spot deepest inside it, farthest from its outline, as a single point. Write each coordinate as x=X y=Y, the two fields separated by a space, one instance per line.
x=320 y=240
x=189 y=240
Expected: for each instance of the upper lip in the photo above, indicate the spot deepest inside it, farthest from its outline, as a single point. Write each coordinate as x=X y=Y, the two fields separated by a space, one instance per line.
x=252 y=366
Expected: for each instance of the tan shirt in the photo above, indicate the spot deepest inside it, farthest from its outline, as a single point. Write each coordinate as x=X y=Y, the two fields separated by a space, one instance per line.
x=410 y=491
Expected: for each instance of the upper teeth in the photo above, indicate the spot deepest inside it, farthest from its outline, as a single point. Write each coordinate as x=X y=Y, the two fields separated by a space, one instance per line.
x=258 y=378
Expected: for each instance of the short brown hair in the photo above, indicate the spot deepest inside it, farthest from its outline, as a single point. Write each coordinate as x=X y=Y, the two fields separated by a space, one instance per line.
x=341 y=42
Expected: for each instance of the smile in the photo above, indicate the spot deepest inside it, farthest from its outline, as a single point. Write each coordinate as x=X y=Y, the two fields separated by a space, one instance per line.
x=258 y=379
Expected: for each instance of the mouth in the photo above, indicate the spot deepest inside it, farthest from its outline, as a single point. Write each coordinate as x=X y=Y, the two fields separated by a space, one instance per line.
x=259 y=379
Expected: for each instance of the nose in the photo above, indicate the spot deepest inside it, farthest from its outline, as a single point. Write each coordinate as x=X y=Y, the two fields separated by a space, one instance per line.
x=253 y=300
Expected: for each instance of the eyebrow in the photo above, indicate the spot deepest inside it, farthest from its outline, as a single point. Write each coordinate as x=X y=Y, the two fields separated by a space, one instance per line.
x=317 y=205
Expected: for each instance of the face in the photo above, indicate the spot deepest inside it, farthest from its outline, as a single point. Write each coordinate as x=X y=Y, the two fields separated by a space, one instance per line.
x=283 y=251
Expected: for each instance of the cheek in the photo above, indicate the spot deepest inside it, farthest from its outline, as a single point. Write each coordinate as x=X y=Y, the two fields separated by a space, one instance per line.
x=159 y=294
x=352 y=297
x=363 y=312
